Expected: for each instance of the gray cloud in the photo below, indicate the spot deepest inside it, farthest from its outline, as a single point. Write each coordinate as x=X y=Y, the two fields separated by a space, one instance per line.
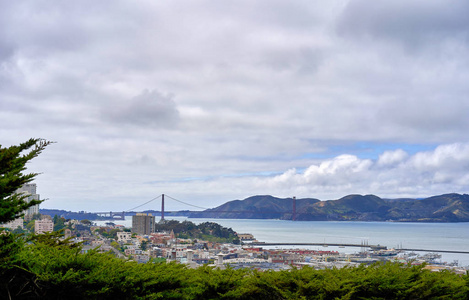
x=414 y=24
x=261 y=88
x=150 y=108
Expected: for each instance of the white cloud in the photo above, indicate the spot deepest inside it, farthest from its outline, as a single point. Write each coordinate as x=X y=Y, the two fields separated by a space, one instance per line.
x=394 y=174
x=445 y=157
x=389 y=158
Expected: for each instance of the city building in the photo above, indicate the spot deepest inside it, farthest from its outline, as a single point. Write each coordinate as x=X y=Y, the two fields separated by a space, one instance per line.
x=44 y=225
x=143 y=224
x=124 y=236
x=246 y=237
x=13 y=224
x=29 y=189
x=67 y=233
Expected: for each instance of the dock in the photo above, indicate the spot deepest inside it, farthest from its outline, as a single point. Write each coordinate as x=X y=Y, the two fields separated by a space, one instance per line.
x=372 y=247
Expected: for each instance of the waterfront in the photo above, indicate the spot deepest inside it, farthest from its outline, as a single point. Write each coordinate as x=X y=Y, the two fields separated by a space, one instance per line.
x=438 y=236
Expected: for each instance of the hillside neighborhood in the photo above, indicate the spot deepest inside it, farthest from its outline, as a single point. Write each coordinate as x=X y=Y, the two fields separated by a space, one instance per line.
x=145 y=244
x=210 y=243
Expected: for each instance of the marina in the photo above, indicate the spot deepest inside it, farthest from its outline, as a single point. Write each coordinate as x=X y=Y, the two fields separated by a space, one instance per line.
x=373 y=247
x=450 y=239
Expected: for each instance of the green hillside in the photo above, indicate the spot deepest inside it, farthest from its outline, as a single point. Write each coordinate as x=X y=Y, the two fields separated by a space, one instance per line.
x=442 y=208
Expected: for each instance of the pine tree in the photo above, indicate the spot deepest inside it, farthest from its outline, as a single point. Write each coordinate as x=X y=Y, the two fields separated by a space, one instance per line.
x=13 y=161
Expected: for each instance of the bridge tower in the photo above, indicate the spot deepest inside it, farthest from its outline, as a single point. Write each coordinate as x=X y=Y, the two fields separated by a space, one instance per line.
x=294 y=209
x=162 y=207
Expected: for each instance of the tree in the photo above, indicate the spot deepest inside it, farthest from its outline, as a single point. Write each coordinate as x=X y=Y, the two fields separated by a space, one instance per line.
x=86 y=222
x=59 y=223
x=144 y=245
x=30 y=225
x=12 y=165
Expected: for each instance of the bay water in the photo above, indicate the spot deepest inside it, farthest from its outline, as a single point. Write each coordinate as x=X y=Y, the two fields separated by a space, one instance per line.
x=432 y=236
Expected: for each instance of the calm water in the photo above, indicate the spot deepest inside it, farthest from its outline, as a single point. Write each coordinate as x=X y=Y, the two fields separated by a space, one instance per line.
x=437 y=236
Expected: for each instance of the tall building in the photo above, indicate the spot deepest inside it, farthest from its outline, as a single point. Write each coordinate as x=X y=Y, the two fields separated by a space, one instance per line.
x=143 y=224
x=44 y=225
x=29 y=189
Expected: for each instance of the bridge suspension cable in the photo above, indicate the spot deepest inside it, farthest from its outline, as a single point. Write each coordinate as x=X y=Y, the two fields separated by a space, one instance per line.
x=186 y=203
x=143 y=204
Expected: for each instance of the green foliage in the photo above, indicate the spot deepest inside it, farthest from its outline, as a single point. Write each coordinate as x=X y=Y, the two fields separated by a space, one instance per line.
x=107 y=232
x=12 y=165
x=86 y=222
x=18 y=230
x=30 y=225
x=36 y=216
x=117 y=246
x=58 y=223
x=144 y=245
x=210 y=283
x=48 y=267
x=10 y=245
x=207 y=231
x=157 y=260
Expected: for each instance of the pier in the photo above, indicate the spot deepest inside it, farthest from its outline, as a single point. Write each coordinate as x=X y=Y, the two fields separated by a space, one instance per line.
x=112 y=215
x=441 y=251
x=372 y=247
x=364 y=245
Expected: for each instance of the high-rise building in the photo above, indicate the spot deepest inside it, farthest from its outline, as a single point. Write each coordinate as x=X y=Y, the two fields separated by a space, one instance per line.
x=44 y=225
x=29 y=189
x=143 y=224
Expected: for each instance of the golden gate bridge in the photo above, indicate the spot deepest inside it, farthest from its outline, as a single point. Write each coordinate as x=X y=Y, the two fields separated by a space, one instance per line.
x=121 y=215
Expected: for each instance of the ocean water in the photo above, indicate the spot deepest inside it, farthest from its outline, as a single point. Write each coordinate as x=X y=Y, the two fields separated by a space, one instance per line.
x=432 y=236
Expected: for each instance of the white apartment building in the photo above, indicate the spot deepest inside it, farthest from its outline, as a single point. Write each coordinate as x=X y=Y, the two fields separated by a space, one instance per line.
x=124 y=236
x=13 y=224
x=44 y=225
x=29 y=189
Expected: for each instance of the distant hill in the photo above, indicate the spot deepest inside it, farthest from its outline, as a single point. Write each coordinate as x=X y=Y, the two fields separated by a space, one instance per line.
x=442 y=208
x=256 y=207
x=70 y=214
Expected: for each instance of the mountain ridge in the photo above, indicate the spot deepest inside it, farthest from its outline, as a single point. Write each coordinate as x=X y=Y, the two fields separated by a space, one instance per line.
x=450 y=207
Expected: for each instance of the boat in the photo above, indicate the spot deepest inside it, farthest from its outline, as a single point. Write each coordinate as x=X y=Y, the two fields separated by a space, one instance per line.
x=387 y=252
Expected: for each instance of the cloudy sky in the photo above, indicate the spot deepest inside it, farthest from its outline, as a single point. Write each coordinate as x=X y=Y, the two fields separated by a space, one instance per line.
x=210 y=101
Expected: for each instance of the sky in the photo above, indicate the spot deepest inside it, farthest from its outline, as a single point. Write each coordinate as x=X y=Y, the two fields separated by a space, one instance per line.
x=212 y=101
